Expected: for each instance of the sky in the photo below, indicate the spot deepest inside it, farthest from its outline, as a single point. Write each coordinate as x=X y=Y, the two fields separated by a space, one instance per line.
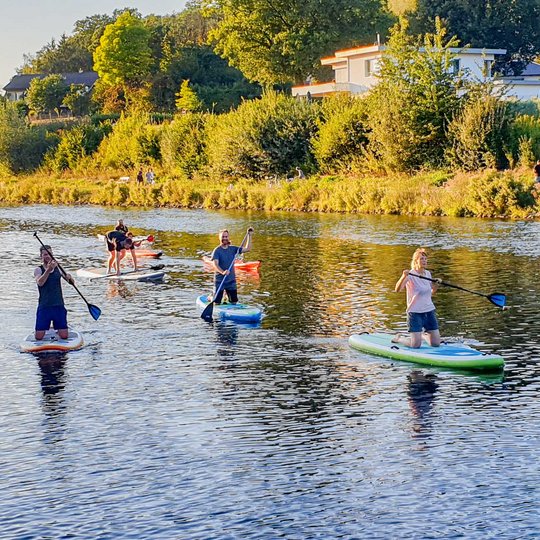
x=27 y=25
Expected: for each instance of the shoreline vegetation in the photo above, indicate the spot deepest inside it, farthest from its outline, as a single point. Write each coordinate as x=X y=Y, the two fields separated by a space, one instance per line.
x=486 y=194
x=423 y=141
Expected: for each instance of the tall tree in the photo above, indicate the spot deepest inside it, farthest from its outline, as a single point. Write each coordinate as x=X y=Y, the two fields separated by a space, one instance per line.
x=282 y=41
x=62 y=56
x=123 y=56
x=187 y=99
x=46 y=95
x=506 y=24
x=417 y=96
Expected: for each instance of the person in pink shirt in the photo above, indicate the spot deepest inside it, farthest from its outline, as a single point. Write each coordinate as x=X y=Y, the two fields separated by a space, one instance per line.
x=421 y=316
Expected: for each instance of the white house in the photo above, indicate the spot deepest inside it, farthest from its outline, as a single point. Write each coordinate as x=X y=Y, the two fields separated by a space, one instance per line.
x=524 y=86
x=355 y=71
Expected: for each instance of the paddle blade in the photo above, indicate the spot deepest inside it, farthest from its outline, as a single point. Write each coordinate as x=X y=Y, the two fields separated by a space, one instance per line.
x=150 y=238
x=94 y=311
x=498 y=299
x=208 y=312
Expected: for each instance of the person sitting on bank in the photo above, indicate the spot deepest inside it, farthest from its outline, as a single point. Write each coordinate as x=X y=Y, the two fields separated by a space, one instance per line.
x=222 y=258
x=51 y=308
x=117 y=245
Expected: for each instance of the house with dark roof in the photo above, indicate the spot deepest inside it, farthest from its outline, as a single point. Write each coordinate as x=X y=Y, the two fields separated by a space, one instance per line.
x=16 y=89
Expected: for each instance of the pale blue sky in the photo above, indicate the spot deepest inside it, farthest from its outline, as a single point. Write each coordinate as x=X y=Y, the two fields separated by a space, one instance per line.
x=27 y=25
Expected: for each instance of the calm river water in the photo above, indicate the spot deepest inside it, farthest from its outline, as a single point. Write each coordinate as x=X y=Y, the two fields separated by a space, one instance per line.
x=164 y=426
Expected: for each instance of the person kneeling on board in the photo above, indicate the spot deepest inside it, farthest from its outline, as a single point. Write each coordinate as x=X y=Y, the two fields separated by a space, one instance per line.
x=420 y=308
x=51 y=307
x=222 y=258
x=117 y=245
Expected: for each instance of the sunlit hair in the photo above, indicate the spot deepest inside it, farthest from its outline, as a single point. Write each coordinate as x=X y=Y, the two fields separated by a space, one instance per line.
x=415 y=261
x=221 y=234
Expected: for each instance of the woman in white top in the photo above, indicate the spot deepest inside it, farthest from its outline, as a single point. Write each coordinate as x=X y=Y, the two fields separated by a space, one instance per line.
x=421 y=314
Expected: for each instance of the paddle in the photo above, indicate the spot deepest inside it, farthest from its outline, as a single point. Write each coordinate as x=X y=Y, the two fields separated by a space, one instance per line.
x=93 y=310
x=209 y=309
x=496 y=298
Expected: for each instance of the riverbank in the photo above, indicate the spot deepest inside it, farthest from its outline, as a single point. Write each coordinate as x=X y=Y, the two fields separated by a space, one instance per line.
x=489 y=194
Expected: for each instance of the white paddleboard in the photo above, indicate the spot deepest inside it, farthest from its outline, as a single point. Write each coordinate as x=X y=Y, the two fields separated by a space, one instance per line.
x=101 y=238
x=52 y=342
x=129 y=275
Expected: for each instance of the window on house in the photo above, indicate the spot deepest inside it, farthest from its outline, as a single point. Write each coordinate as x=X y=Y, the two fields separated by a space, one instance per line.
x=368 y=67
x=488 y=64
x=455 y=66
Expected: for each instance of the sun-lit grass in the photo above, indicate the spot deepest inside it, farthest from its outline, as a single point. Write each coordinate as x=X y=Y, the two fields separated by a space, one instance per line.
x=485 y=194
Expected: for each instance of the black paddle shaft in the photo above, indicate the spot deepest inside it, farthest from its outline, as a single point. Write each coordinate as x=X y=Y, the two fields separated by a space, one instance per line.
x=94 y=310
x=490 y=297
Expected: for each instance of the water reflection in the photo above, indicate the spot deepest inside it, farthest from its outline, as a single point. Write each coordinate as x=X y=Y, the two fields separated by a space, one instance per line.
x=52 y=368
x=227 y=338
x=118 y=289
x=421 y=389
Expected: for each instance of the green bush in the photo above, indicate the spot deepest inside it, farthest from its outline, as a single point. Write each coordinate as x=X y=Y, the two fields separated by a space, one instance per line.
x=480 y=132
x=341 y=134
x=75 y=145
x=22 y=147
x=263 y=137
x=183 y=144
x=133 y=141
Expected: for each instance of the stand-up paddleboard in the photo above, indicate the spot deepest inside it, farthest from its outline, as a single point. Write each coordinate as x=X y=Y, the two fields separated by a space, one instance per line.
x=129 y=275
x=101 y=237
x=52 y=342
x=245 y=266
x=232 y=312
x=452 y=355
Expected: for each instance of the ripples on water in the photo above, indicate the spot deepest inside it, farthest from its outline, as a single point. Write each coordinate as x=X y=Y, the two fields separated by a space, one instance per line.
x=166 y=427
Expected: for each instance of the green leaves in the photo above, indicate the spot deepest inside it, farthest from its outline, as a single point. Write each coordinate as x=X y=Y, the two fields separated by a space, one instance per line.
x=124 y=55
x=46 y=95
x=282 y=41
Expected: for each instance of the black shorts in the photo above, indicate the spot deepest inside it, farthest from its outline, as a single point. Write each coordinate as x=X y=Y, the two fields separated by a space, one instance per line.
x=111 y=247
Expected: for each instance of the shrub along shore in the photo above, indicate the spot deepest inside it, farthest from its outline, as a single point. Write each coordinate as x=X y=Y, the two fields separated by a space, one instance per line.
x=488 y=194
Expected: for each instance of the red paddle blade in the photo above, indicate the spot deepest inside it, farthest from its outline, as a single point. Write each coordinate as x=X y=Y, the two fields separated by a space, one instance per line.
x=150 y=238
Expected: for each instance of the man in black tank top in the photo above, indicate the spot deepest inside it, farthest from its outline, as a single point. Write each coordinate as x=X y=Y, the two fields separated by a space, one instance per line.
x=51 y=307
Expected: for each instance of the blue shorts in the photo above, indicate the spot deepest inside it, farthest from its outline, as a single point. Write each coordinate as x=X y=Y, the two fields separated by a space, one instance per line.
x=232 y=295
x=422 y=321
x=55 y=314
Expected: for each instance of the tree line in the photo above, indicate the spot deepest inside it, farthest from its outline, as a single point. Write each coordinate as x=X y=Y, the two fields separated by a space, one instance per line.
x=229 y=49
x=421 y=116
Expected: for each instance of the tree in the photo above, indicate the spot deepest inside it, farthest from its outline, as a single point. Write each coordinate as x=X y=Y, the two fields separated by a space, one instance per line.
x=186 y=99
x=410 y=108
x=77 y=100
x=511 y=25
x=66 y=55
x=283 y=41
x=123 y=56
x=46 y=95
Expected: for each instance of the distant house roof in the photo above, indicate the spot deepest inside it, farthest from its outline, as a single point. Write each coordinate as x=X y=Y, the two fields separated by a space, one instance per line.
x=532 y=70
x=21 y=83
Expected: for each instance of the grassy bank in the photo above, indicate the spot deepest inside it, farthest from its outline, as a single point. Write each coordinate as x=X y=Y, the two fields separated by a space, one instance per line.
x=485 y=194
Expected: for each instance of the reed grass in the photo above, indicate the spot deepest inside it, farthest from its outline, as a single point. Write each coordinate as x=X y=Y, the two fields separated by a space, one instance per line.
x=491 y=194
